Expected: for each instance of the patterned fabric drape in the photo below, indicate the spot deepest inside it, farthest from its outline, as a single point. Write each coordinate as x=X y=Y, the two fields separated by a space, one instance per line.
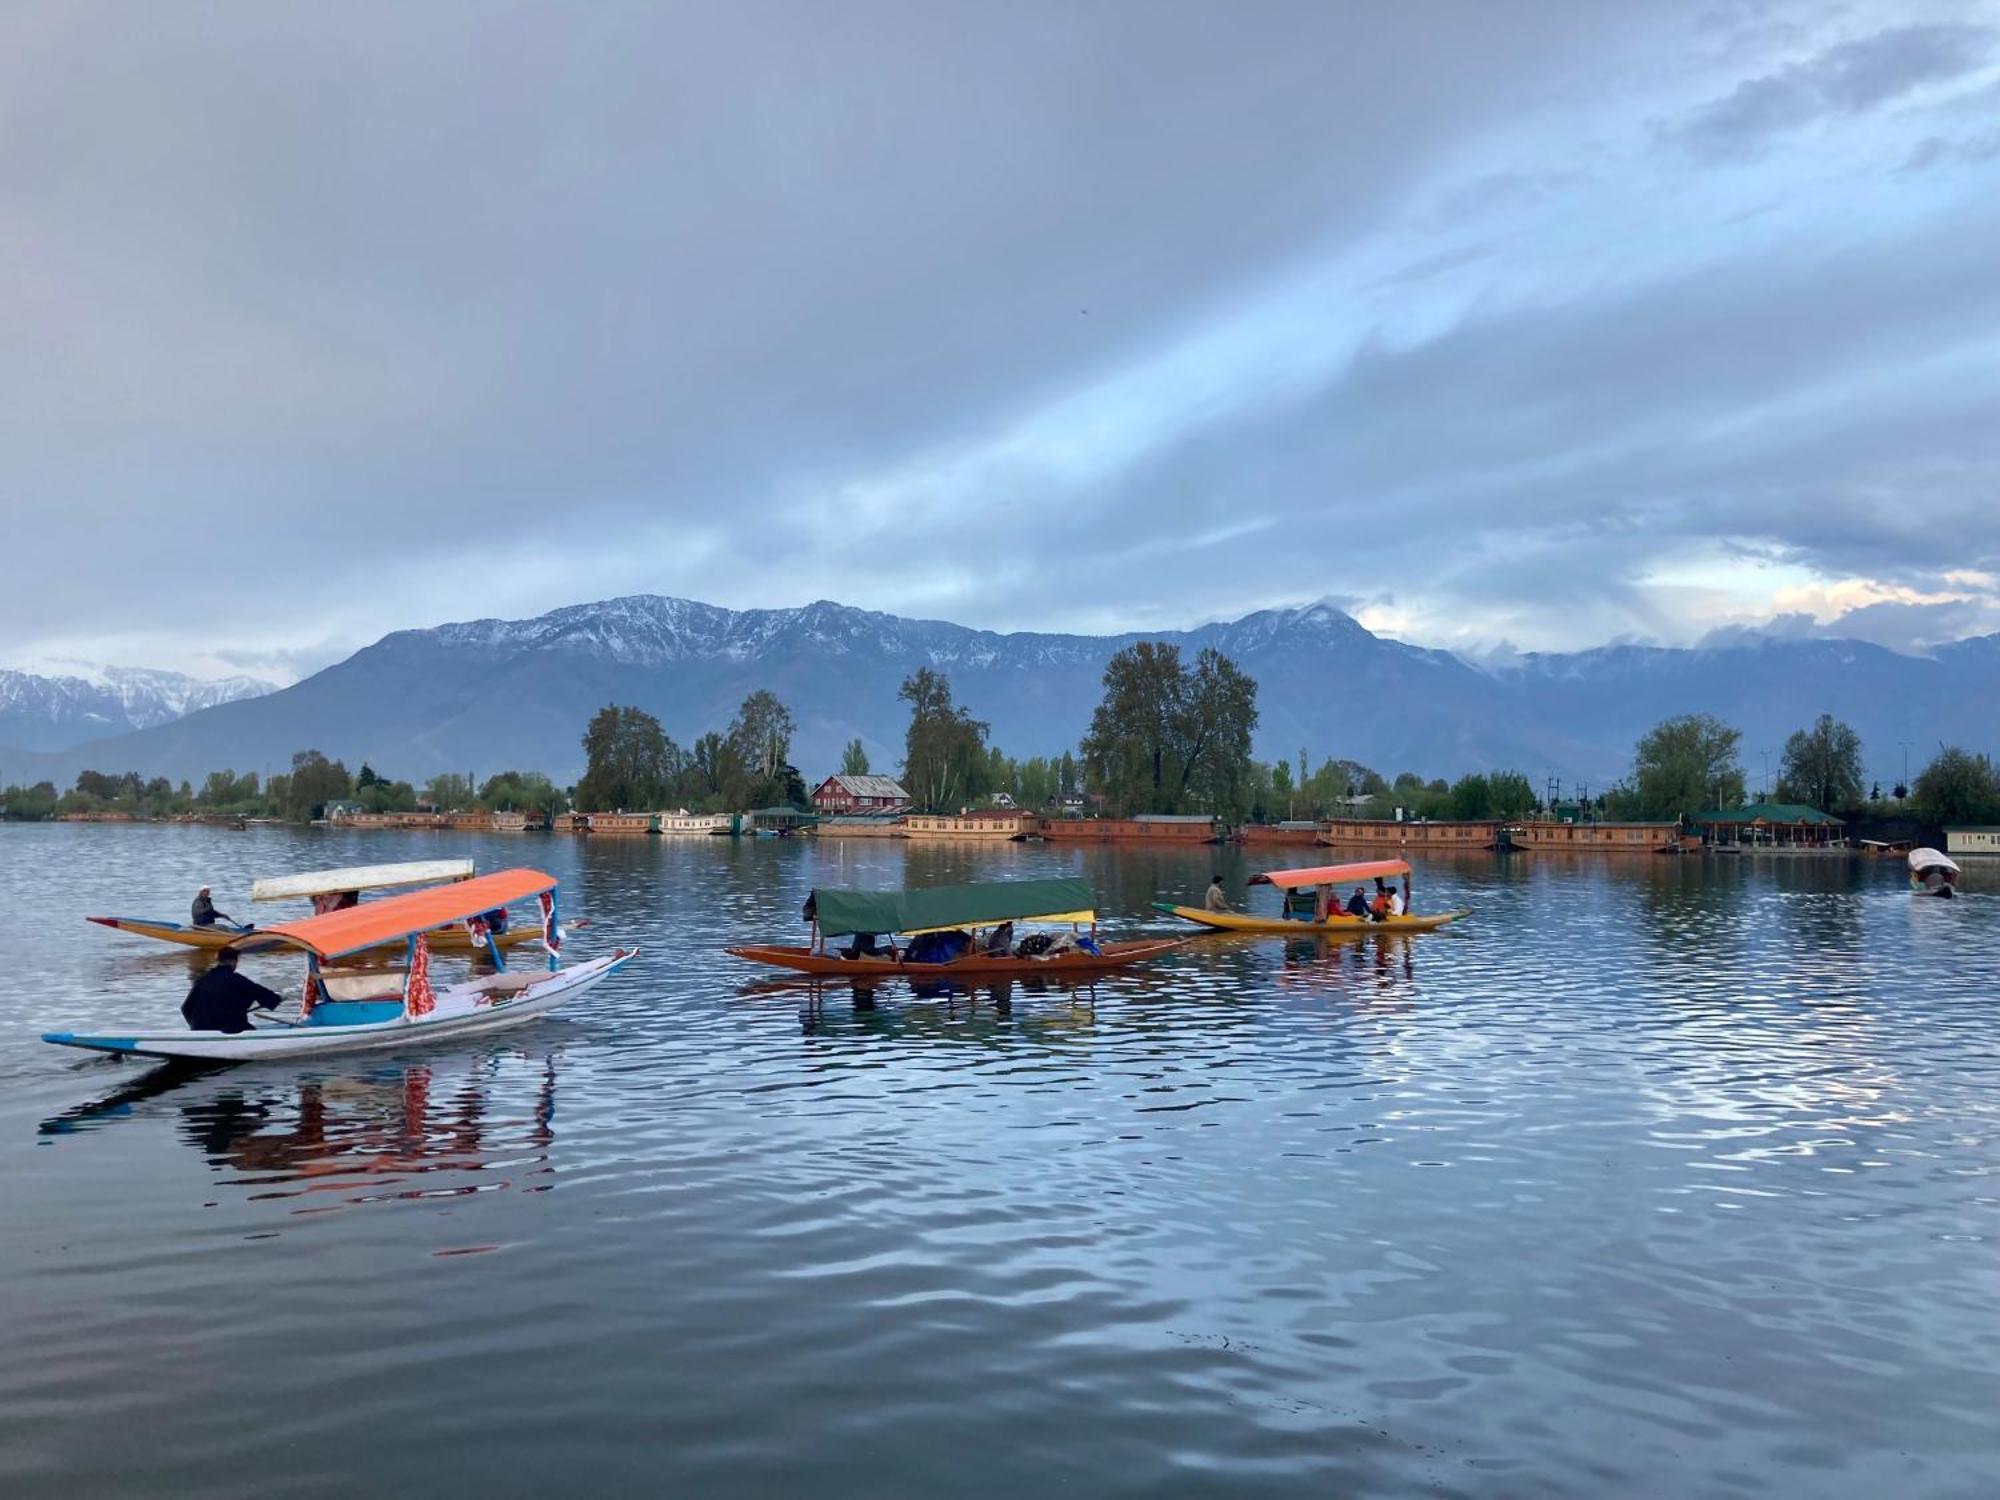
x=418 y=999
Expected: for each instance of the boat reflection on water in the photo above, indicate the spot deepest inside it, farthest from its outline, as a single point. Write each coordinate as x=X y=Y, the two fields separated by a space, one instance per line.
x=941 y=1004
x=437 y=1128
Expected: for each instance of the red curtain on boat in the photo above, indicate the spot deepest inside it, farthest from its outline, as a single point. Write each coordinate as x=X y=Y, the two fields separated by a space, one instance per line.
x=418 y=998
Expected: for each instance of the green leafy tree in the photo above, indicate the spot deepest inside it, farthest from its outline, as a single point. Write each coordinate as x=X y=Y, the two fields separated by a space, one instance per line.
x=762 y=734
x=630 y=763
x=1957 y=787
x=715 y=776
x=1822 y=767
x=1283 y=791
x=365 y=778
x=29 y=804
x=314 y=782
x=450 y=791
x=854 y=759
x=944 y=748
x=522 y=791
x=1512 y=794
x=1687 y=763
x=385 y=796
x=1165 y=738
x=1471 y=798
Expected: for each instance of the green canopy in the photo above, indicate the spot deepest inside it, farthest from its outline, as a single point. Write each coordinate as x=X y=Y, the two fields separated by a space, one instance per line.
x=842 y=912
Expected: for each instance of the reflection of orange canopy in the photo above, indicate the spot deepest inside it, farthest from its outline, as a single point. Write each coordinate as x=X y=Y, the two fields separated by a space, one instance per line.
x=356 y=928
x=1332 y=874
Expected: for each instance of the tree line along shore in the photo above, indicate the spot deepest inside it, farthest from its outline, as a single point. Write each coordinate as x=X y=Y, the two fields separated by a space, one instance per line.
x=1168 y=737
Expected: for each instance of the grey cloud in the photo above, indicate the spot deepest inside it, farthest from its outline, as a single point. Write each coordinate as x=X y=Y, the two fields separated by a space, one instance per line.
x=355 y=287
x=1848 y=79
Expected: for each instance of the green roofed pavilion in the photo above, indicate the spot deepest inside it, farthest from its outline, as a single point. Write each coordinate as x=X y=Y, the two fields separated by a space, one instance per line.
x=1783 y=824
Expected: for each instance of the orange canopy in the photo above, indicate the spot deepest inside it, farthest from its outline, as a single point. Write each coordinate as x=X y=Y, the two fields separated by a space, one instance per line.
x=374 y=923
x=1332 y=874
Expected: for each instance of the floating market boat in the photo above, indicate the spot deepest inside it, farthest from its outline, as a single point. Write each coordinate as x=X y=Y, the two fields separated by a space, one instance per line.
x=941 y=927
x=1933 y=873
x=1300 y=886
x=326 y=889
x=364 y=1010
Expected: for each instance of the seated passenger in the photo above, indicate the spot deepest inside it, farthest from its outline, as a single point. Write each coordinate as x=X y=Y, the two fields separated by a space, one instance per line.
x=1000 y=942
x=1378 y=909
x=863 y=946
x=1357 y=904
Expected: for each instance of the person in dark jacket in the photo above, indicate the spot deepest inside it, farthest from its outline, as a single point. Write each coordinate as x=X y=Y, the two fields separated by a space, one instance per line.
x=1357 y=904
x=205 y=914
x=222 y=999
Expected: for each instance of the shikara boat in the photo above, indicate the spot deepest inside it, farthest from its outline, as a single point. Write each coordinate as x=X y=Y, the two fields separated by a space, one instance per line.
x=1933 y=873
x=358 y=1011
x=1337 y=922
x=948 y=909
x=322 y=887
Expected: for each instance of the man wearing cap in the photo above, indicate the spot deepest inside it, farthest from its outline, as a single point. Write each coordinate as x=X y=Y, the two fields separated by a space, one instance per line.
x=222 y=999
x=205 y=914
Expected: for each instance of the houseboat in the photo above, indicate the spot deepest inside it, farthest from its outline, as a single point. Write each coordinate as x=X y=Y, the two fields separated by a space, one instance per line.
x=1607 y=838
x=1291 y=831
x=862 y=826
x=995 y=823
x=1176 y=828
x=1387 y=833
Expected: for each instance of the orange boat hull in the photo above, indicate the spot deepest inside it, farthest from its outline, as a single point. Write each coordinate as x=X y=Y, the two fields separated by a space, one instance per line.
x=804 y=961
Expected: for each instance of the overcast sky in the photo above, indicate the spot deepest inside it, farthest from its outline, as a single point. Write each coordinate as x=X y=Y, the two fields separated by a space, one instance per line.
x=1506 y=326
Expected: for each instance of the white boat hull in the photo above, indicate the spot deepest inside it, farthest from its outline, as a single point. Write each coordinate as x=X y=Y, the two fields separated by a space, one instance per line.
x=461 y=1012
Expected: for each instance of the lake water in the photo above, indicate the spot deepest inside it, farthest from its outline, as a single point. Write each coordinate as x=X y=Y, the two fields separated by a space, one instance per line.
x=1655 y=1178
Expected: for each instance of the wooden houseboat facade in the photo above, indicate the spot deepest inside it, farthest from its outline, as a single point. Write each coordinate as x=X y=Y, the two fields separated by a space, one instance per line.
x=999 y=823
x=1175 y=828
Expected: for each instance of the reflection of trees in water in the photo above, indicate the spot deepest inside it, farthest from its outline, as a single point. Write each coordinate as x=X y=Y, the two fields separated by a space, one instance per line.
x=338 y=1132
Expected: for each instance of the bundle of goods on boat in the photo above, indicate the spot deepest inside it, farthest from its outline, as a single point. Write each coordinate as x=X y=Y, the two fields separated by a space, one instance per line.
x=956 y=929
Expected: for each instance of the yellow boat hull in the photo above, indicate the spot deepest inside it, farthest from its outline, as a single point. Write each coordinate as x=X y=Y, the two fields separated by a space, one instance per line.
x=445 y=940
x=1340 y=926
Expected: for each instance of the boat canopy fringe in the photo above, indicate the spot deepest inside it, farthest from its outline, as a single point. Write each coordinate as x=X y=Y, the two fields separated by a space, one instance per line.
x=358 y=928
x=1367 y=869
x=942 y=907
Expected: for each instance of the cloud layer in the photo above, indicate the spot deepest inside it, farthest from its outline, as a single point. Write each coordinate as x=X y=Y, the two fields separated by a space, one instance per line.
x=1579 y=323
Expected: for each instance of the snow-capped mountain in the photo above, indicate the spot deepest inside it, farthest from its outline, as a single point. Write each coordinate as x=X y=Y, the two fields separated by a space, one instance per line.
x=485 y=695
x=55 y=713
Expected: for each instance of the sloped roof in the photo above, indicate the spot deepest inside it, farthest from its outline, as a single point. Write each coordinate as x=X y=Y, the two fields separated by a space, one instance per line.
x=1766 y=812
x=870 y=786
x=369 y=925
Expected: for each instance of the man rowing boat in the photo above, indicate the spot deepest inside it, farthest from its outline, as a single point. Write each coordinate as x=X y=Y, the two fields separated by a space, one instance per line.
x=222 y=999
x=205 y=914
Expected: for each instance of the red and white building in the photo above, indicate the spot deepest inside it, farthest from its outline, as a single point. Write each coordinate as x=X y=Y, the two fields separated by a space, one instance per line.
x=860 y=794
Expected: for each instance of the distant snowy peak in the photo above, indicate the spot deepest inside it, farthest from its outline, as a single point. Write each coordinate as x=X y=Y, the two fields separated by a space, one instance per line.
x=53 y=713
x=653 y=630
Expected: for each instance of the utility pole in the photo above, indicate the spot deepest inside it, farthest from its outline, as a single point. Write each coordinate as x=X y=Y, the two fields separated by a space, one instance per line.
x=1767 y=773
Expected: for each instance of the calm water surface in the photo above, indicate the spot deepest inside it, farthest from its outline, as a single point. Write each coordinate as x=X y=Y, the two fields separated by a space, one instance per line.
x=1655 y=1178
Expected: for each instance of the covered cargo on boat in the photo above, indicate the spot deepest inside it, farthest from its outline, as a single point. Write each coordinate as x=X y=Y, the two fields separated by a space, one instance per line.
x=941 y=907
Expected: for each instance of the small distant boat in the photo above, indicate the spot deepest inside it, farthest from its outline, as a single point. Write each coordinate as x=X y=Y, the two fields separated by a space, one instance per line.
x=1337 y=922
x=356 y=1011
x=1933 y=873
x=322 y=887
x=967 y=909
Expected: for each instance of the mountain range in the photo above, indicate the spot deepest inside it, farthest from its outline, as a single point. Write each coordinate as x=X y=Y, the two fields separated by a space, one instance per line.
x=485 y=695
x=56 y=713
